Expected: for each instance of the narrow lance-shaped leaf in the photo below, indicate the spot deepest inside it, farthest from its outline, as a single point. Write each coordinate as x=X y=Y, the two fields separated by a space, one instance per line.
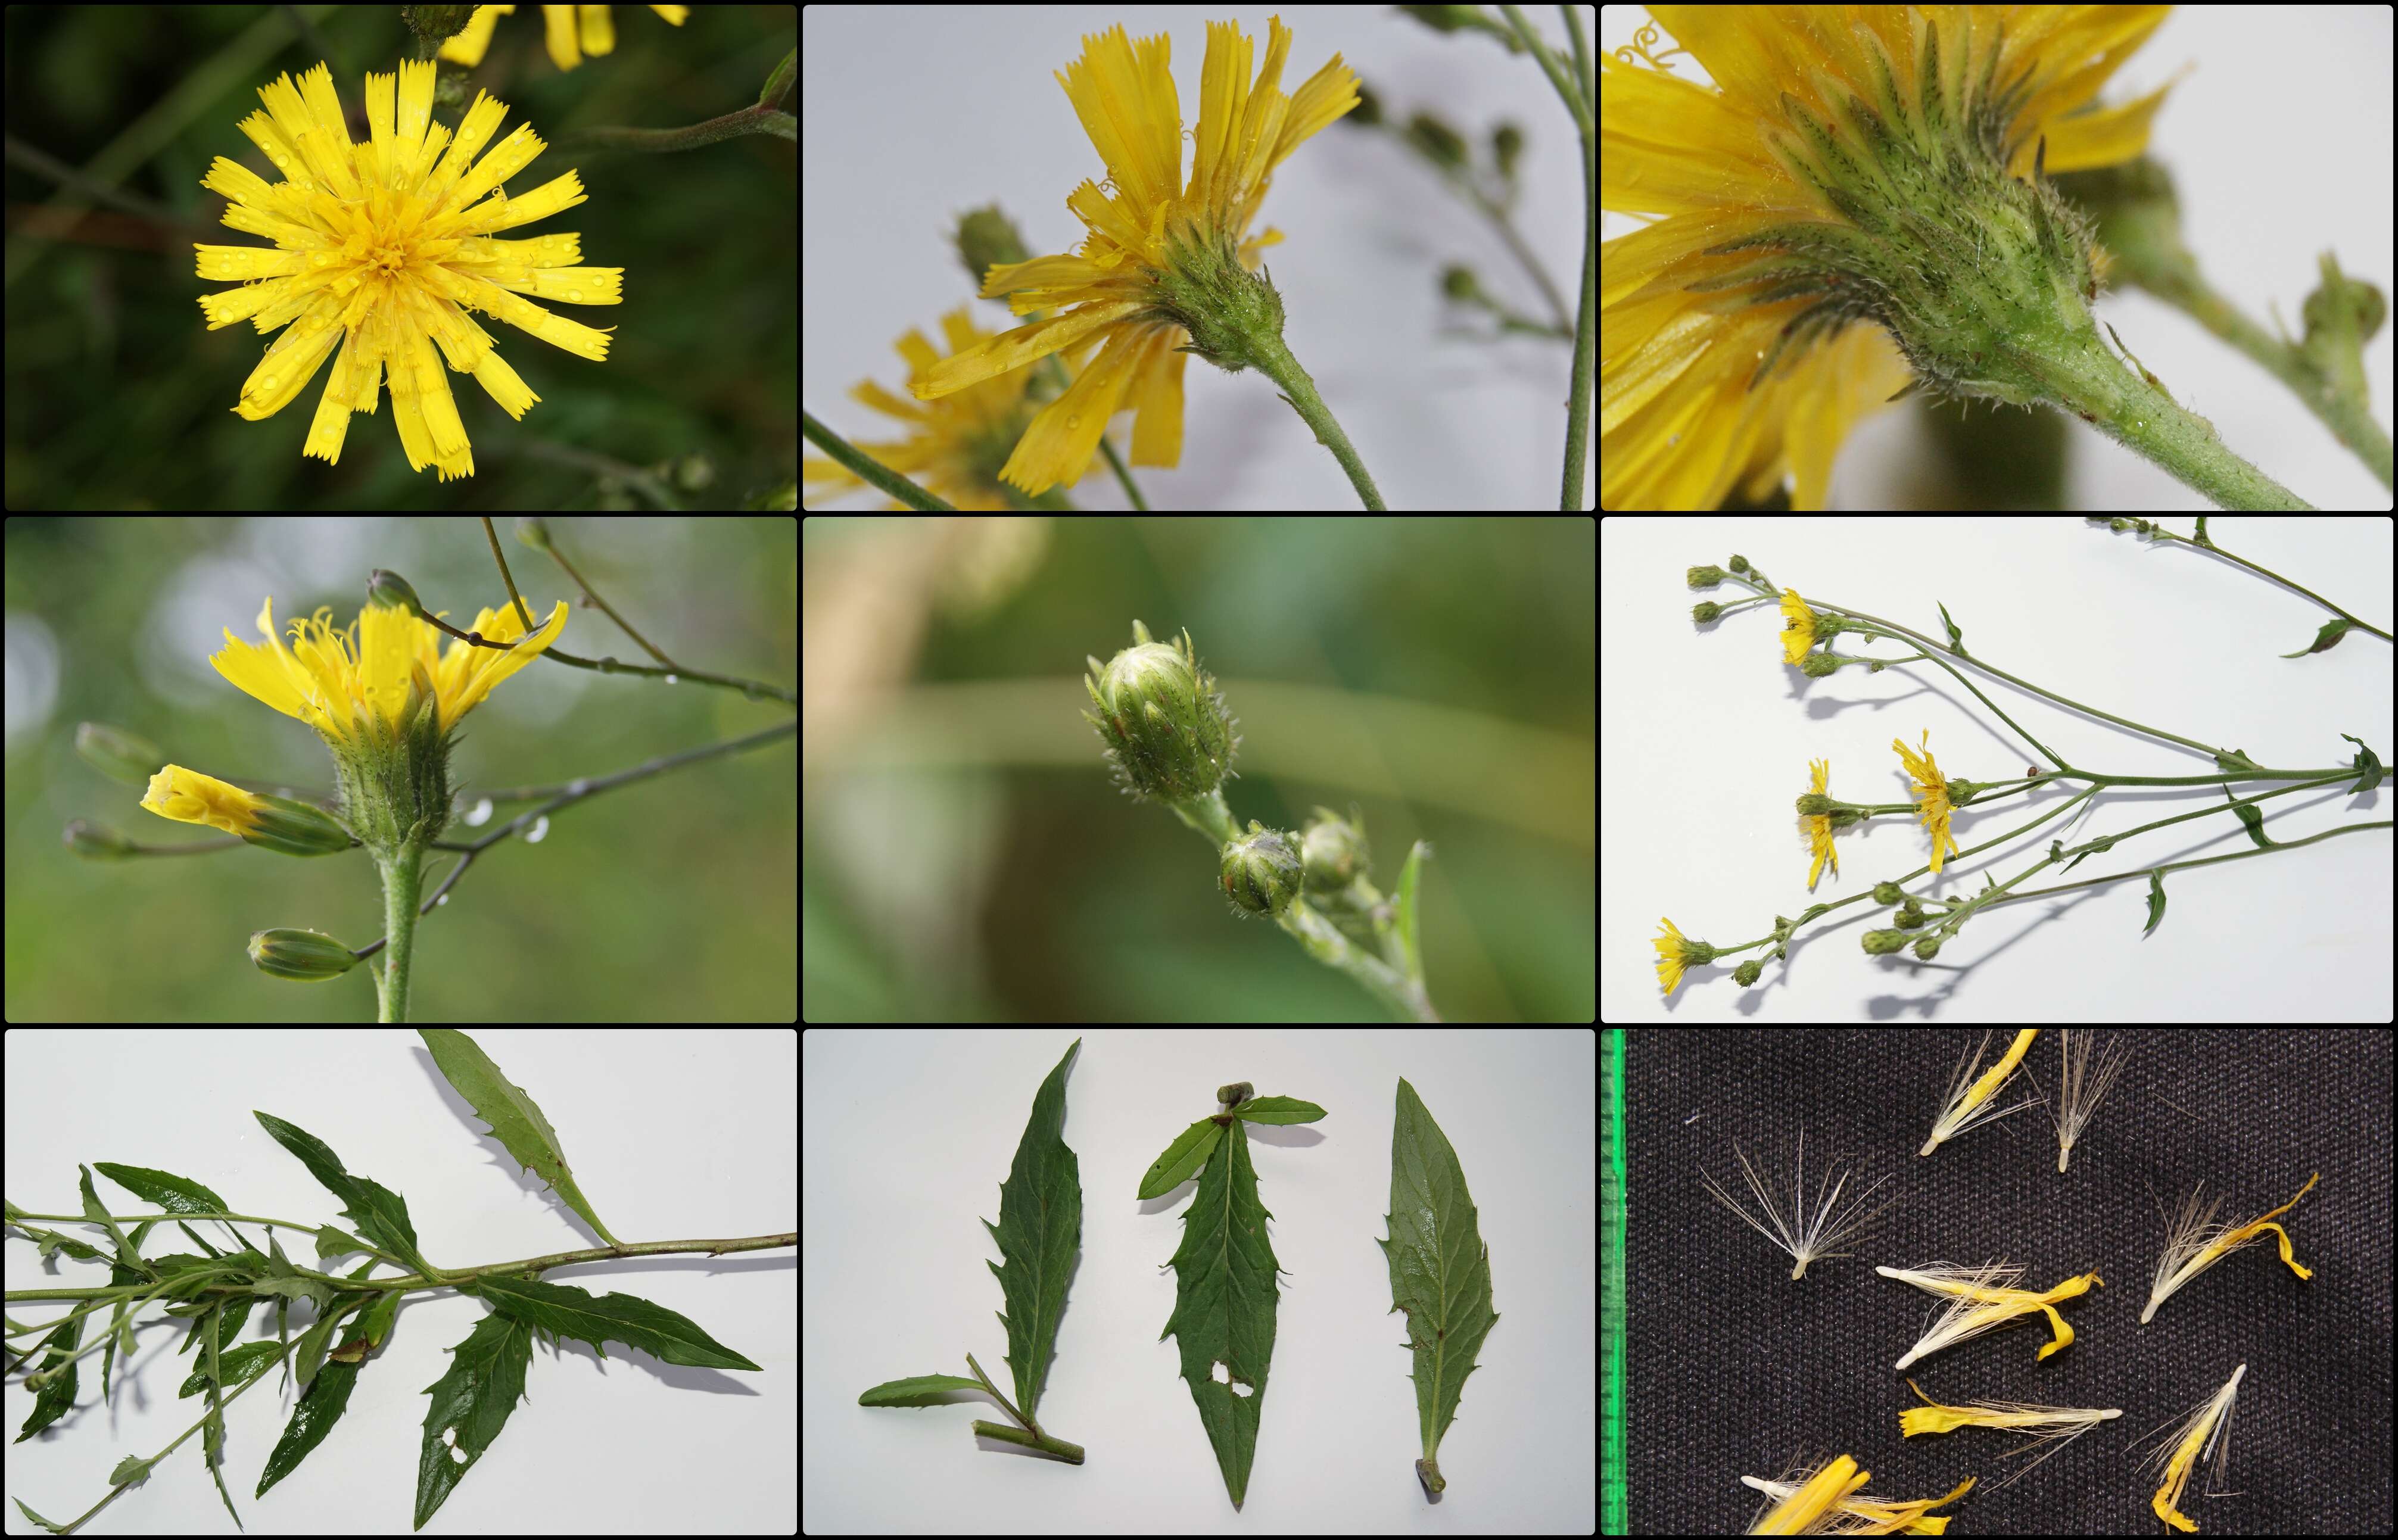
x=318 y=1408
x=120 y=1329
x=1278 y=1109
x=172 y=1193
x=921 y=1390
x=1440 y=1270
x=212 y=1441
x=239 y=1366
x=51 y=1401
x=563 y=1310
x=1224 y=1302
x=1040 y=1229
x=97 y=1212
x=380 y=1214
x=470 y=1405
x=515 y=1121
x=1187 y=1154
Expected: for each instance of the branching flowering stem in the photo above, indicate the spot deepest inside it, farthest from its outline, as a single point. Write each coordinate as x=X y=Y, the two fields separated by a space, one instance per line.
x=1577 y=89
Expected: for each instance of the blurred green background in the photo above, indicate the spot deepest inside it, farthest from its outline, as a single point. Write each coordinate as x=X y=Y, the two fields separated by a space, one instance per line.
x=120 y=398
x=968 y=857
x=668 y=900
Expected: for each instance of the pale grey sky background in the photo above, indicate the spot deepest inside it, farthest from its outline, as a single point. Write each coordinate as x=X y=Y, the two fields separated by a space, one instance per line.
x=913 y=115
x=2278 y=136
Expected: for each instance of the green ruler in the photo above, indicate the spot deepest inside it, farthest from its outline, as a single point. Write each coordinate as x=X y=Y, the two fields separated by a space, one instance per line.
x=1611 y=1517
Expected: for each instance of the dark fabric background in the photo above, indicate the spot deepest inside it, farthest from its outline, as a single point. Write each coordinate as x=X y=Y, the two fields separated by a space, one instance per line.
x=1735 y=1370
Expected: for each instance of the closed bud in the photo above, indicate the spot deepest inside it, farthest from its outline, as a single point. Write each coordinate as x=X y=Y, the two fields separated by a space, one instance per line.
x=1262 y=871
x=97 y=842
x=1749 y=972
x=1703 y=577
x=307 y=957
x=1163 y=720
x=1332 y=848
x=1928 y=948
x=119 y=754
x=533 y=532
x=1235 y=1094
x=392 y=591
x=1705 y=610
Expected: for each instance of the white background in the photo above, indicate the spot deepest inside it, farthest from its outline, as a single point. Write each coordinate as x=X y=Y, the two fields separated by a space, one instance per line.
x=913 y=115
x=1706 y=735
x=909 y=1135
x=671 y=1135
x=2278 y=137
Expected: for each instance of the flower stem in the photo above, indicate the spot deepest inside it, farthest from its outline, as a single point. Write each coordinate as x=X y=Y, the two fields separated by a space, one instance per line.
x=1275 y=360
x=403 y=873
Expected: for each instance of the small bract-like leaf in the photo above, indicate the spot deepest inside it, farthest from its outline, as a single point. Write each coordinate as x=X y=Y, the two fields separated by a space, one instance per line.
x=1187 y=1154
x=51 y=1401
x=1278 y=1109
x=515 y=1121
x=921 y=1390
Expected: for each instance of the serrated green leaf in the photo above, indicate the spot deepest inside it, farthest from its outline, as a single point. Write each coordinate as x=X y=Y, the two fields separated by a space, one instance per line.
x=512 y=1114
x=51 y=1401
x=229 y=1325
x=571 y=1312
x=1187 y=1154
x=921 y=1390
x=1278 y=1109
x=130 y=1468
x=313 y=1417
x=331 y=1242
x=316 y=1291
x=1440 y=1269
x=52 y=1241
x=54 y=1529
x=1040 y=1229
x=1224 y=1304
x=380 y=1214
x=473 y=1401
x=2156 y=900
x=516 y=1121
x=240 y=1366
x=172 y=1193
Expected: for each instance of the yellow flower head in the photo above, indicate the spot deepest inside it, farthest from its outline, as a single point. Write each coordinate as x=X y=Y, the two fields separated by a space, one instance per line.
x=1856 y=195
x=1676 y=952
x=956 y=445
x=380 y=252
x=1819 y=826
x=1149 y=229
x=1797 y=628
x=1931 y=796
x=569 y=32
x=366 y=681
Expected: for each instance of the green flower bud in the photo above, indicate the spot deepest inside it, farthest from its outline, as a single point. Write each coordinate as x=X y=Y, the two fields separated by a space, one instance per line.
x=533 y=532
x=119 y=754
x=1235 y=1094
x=309 y=957
x=1506 y=144
x=1703 y=577
x=392 y=591
x=1262 y=871
x=1749 y=972
x=96 y=842
x=1705 y=610
x=1332 y=848
x=1819 y=666
x=1881 y=943
x=1928 y=948
x=1739 y=563
x=1163 y=720
x=1888 y=892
